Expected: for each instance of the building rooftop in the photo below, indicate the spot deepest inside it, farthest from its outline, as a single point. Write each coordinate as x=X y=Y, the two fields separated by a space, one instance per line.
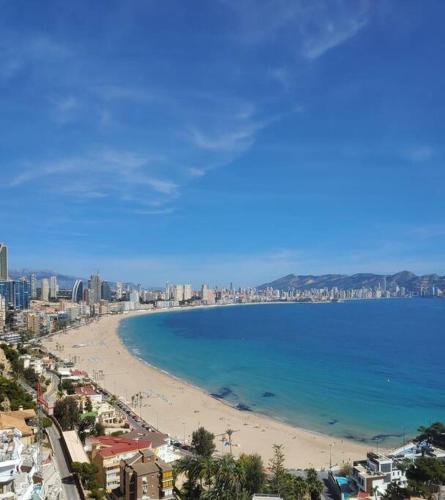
x=110 y=446
x=75 y=447
x=18 y=419
x=86 y=390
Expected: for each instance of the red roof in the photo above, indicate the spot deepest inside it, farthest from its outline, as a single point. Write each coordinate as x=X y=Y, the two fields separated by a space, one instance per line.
x=86 y=390
x=78 y=373
x=111 y=445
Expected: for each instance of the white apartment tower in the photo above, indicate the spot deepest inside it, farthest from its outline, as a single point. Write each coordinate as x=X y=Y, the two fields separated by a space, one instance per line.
x=33 y=285
x=44 y=289
x=3 y=262
x=53 y=287
x=2 y=312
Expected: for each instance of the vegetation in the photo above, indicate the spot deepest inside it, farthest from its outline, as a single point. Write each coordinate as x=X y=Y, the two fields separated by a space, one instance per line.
x=67 y=386
x=434 y=434
x=424 y=476
x=87 y=474
x=11 y=391
x=66 y=411
x=225 y=477
x=202 y=443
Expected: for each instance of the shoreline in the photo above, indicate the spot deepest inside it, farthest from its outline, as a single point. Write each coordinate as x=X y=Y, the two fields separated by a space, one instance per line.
x=100 y=348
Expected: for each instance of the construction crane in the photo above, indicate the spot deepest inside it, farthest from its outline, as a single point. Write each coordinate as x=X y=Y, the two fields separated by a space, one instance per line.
x=229 y=432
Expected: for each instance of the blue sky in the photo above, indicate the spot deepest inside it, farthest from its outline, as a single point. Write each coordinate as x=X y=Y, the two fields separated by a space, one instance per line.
x=224 y=140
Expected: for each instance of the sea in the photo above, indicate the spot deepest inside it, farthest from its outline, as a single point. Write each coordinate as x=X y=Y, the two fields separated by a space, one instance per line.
x=366 y=370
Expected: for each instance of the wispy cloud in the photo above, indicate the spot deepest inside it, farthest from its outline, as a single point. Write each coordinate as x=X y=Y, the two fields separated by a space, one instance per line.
x=19 y=51
x=122 y=175
x=330 y=33
x=313 y=28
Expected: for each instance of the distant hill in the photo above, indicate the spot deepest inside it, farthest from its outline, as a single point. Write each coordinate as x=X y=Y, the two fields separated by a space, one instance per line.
x=65 y=281
x=409 y=280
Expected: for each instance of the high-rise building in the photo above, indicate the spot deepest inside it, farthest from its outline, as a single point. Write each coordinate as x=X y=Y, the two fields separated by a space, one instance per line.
x=178 y=293
x=3 y=262
x=2 y=312
x=119 y=290
x=105 y=291
x=95 y=288
x=33 y=285
x=188 y=292
x=44 y=289
x=15 y=293
x=53 y=287
x=77 y=293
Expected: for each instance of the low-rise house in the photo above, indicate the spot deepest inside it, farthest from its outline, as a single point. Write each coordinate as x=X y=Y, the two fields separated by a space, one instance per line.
x=23 y=420
x=145 y=476
x=109 y=416
x=106 y=454
x=160 y=444
x=88 y=392
x=373 y=475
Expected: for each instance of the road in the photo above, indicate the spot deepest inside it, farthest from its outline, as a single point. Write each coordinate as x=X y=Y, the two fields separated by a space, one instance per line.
x=68 y=485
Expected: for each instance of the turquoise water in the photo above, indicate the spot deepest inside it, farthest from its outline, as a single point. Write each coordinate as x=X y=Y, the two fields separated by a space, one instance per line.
x=365 y=370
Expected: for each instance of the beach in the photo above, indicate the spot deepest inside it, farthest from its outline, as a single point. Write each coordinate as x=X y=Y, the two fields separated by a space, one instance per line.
x=178 y=408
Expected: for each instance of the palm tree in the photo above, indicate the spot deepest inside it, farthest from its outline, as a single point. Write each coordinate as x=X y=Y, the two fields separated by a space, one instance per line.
x=227 y=482
x=315 y=486
x=191 y=467
x=300 y=488
x=252 y=473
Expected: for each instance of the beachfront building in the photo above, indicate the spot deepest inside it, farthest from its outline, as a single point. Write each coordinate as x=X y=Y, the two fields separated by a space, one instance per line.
x=107 y=453
x=144 y=476
x=86 y=392
x=18 y=467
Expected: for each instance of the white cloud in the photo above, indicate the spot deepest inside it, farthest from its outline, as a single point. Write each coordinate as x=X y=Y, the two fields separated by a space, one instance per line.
x=123 y=175
x=330 y=34
x=313 y=28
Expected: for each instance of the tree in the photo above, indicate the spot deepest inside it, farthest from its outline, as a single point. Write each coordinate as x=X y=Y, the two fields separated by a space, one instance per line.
x=191 y=467
x=99 y=429
x=68 y=386
x=276 y=465
x=66 y=411
x=434 y=434
x=202 y=442
x=315 y=486
x=227 y=483
x=424 y=475
x=252 y=473
x=87 y=473
x=88 y=405
x=395 y=492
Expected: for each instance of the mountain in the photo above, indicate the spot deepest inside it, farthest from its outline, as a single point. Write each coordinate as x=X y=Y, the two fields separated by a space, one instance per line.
x=409 y=280
x=64 y=281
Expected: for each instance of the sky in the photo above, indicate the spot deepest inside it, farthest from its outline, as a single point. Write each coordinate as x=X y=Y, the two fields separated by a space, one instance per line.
x=222 y=140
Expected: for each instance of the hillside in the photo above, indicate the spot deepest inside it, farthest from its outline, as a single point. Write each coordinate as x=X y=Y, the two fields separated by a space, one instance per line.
x=405 y=279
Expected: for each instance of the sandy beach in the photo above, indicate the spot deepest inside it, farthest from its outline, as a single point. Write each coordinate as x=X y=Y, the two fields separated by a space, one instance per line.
x=178 y=408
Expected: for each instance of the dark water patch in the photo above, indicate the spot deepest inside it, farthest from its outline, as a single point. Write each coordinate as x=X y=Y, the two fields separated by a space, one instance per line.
x=353 y=437
x=383 y=437
x=333 y=421
x=268 y=394
x=243 y=407
x=222 y=393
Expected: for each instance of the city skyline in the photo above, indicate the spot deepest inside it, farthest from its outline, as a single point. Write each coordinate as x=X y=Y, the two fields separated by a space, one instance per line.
x=231 y=140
